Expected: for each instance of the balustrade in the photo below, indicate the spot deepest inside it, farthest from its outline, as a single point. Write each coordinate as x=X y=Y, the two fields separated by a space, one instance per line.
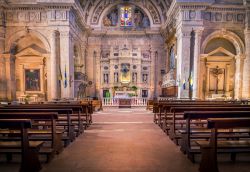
x=115 y=101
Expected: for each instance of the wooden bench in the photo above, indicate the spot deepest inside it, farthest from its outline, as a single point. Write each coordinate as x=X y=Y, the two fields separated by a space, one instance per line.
x=150 y=105
x=83 y=110
x=209 y=149
x=77 y=118
x=159 y=107
x=167 y=116
x=66 y=124
x=200 y=133
x=28 y=149
x=97 y=105
x=50 y=134
x=177 y=122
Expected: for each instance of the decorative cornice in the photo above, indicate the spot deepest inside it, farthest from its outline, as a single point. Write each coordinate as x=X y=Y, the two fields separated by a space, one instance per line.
x=208 y=12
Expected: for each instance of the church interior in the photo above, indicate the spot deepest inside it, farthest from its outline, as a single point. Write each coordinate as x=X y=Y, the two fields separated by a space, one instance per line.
x=125 y=85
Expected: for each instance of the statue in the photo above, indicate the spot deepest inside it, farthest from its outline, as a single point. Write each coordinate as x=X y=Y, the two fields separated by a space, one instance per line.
x=82 y=90
x=134 y=77
x=145 y=78
x=116 y=77
x=106 y=78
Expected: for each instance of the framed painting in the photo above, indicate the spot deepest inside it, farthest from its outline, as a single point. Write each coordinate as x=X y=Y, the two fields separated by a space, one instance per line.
x=32 y=80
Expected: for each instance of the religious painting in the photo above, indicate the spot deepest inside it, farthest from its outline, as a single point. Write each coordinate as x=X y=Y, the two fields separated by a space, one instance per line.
x=141 y=20
x=32 y=80
x=125 y=73
x=111 y=19
x=126 y=16
x=145 y=22
x=138 y=15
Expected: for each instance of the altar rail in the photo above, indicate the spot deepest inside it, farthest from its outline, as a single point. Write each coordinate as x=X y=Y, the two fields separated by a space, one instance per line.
x=135 y=102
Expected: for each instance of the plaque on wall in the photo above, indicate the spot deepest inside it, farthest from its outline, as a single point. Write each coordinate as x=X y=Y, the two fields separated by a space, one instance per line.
x=32 y=80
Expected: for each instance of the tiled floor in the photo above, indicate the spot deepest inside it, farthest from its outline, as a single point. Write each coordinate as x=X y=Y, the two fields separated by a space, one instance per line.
x=126 y=140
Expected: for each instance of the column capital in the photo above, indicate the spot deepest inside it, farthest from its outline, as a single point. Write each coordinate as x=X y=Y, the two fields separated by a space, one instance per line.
x=247 y=31
x=185 y=34
x=198 y=31
x=54 y=32
x=240 y=57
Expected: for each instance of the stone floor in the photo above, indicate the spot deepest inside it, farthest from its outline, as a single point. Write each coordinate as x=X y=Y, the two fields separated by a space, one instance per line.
x=126 y=140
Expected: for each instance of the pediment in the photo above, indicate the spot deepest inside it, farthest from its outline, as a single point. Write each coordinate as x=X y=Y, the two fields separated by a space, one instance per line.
x=221 y=52
x=32 y=50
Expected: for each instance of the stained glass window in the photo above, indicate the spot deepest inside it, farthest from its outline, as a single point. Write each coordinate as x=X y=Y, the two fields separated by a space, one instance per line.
x=126 y=16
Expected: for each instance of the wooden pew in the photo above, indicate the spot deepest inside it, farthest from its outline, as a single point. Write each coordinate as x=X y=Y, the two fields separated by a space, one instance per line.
x=77 y=116
x=209 y=149
x=167 y=116
x=159 y=107
x=49 y=135
x=97 y=105
x=28 y=149
x=60 y=122
x=165 y=108
x=84 y=111
x=203 y=133
x=150 y=104
x=177 y=113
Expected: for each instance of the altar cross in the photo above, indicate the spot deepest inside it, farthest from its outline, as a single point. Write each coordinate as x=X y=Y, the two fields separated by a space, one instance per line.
x=216 y=72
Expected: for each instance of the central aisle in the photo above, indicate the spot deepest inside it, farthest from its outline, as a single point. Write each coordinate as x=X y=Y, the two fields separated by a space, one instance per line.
x=122 y=140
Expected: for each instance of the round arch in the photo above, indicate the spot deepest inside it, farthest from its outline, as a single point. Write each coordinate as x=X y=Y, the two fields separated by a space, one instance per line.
x=112 y=6
x=240 y=49
x=230 y=36
x=22 y=33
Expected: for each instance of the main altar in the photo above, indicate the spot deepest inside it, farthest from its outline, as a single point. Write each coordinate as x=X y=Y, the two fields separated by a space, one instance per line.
x=125 y=72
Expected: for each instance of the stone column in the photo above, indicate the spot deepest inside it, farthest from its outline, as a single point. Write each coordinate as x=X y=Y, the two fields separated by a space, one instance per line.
x=83 y=58
x=67 y=64
x=207 y=81
x=227 y=79
x=89 y=70
x=197 y=46
x=10 y=77
x=3 y=86
x=202 y=77
x=97 y=73
x=156 y=75
x=3 y=89
x=152 y=74
x=167 y=67
x=238 y=76
x=53 y=67
x=183 y=60
x=246 y=68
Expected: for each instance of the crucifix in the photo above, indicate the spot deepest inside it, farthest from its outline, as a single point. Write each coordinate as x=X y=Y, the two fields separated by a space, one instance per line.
x=216 y=72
